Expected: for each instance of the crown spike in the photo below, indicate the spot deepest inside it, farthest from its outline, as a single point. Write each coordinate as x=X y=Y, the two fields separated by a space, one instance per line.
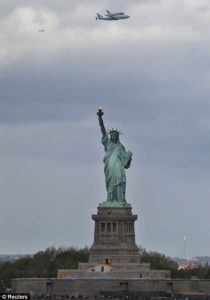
x=110 y=131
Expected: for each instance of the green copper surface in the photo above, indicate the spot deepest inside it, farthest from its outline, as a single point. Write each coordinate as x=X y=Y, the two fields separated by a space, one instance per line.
x=116 y=160
x=114 y=204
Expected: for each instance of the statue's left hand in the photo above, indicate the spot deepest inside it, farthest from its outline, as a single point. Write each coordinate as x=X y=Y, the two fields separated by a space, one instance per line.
x=130 y=153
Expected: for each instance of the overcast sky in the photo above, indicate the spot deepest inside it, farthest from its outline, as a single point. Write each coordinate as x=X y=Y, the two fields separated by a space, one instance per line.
x=152 y=75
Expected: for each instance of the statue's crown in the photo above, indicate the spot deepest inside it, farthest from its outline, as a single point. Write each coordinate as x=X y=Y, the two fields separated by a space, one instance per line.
x=110 y=131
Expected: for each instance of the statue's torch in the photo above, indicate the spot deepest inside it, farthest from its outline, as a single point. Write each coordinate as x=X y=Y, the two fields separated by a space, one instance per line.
x=100 y=111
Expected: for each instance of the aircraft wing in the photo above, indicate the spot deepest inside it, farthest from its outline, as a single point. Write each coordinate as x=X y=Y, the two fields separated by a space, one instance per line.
x=110 y=17
x=113 y=17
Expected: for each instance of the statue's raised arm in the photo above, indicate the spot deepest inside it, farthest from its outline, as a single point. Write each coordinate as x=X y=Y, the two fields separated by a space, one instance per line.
x=101 y=122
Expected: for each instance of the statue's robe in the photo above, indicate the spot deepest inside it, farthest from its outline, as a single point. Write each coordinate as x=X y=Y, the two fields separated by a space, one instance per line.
x=115 y=160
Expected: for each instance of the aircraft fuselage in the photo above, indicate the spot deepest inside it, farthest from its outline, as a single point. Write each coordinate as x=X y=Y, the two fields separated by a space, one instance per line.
x=112 y=17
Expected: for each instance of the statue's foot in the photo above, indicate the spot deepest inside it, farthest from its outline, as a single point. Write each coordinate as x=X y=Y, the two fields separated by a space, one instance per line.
x=114 y=203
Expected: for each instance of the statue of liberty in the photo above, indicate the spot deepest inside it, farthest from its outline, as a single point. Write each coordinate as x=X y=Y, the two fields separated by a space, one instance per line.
x=116 y=160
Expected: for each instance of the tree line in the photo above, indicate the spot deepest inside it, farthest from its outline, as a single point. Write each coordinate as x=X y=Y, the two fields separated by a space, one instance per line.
x=161 y=262
x=44 y=264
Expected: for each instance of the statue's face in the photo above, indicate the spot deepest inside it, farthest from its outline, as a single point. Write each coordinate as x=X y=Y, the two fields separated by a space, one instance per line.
x=114 y=137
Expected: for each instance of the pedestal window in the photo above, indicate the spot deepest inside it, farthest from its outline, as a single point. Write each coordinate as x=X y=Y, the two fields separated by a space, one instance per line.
x=102 y=227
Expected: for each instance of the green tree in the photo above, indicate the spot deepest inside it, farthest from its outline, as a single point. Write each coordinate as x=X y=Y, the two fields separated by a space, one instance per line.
x=159 y=261
x=43 y=264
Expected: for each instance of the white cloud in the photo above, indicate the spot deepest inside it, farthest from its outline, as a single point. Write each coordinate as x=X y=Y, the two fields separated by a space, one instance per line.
x=20 y=33
x=172 y=26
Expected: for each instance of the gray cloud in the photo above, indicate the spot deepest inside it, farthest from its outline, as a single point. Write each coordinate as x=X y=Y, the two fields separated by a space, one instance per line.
x=151 y=74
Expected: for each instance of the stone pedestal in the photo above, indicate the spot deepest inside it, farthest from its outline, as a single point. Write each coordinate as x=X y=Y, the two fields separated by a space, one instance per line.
x=114 y=236
x=114 y=253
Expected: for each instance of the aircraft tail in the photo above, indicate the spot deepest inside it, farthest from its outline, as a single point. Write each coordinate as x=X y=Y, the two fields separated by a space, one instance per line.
x=98 y=16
